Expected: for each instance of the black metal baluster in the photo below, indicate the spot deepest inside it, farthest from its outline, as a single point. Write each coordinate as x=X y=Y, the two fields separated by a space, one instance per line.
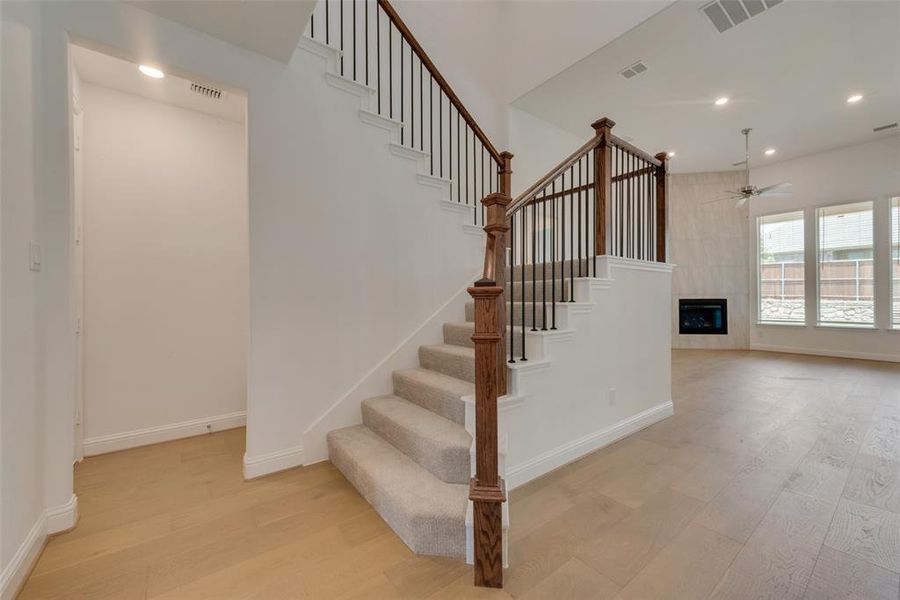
x=377 y=51
x=421 y=111
x=391 y=70
x=544 y=261
x=450 y=145
x=466 y=154
x=402 y=100
x=458 y=162
x=354 y=40
x=512 y=291
x=553 y=252
x=533 y=266
x=312 y=25
x=577 y=202
x=522 y=213
x=431 y=121
x=412 y=101
x=342 y=36
x=327 y=27
x=366 y=39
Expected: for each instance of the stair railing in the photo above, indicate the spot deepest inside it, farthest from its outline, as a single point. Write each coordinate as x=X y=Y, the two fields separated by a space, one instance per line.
x=607 y=199
x=377 y=49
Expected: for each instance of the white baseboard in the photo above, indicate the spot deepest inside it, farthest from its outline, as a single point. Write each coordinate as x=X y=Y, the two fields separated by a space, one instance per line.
x=257 y=466
x=833 y=353
x=62 y=518
x=162 y=433
x=53 y=520
x=548 y=461
x=23 y=560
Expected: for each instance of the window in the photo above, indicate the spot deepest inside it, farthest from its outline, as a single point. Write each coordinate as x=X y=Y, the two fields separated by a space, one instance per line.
x=846 y=265
x=781 y=277
x=895 y=261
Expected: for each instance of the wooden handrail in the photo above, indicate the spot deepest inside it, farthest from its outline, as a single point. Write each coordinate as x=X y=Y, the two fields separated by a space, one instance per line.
x=529 y=194
x=442 y=83
x=653 y=160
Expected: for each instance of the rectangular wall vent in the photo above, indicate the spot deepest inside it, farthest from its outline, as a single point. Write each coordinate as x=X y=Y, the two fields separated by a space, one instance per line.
x=725 y=14
x=635 y=69
x=884 y=127
x=207 y=91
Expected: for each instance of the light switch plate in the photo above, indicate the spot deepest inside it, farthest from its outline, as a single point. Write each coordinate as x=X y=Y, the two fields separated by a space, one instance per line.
x=34 y=256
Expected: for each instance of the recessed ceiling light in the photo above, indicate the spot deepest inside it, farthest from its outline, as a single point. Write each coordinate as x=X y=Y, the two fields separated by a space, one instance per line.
x=770 y=151
x=721 y=101
x=854 y=98
x=151 y=72
x=670 y=154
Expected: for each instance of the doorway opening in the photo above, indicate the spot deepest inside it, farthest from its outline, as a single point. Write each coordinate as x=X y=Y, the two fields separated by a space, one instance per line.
x=161 y=252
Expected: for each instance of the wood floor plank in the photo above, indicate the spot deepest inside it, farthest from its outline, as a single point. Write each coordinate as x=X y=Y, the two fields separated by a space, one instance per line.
x=688 y=568
x=866 y=532
x=573 y=580
x=875 y=481
x=777 y=561
x=839 y=576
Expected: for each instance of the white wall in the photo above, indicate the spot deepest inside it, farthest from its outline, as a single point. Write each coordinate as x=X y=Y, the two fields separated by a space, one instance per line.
x=328 y=203
x=21 y=454
x=539 y=146
x=542 y=38
x=707 y=243
x=868 y=171
x=166 y=266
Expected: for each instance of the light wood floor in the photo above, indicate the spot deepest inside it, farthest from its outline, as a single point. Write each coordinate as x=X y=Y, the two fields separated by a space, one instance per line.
x=778 y=477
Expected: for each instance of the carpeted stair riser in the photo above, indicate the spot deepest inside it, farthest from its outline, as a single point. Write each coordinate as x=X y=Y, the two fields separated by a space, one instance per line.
x=539 y=290
x=534 y=314
x=428 y=514
x=571 y=268
x=439 y=445
x=455 y=361
x=435 y=391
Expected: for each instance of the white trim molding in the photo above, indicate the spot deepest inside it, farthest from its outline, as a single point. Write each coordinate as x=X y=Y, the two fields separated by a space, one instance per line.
x=162 y=433
x=55 y=519
x=257 y=466
x=833 y=353
x=63 y=517
x=522 y=473
x=21 y=563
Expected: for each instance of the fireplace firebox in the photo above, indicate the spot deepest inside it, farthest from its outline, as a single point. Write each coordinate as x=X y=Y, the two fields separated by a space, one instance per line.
x=703 y=316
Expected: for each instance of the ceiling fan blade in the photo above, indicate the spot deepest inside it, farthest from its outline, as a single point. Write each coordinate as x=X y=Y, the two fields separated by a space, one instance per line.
x=738 y=164
x=775 y=194
x=733 y=196
x=741 y=201
x=777 y=186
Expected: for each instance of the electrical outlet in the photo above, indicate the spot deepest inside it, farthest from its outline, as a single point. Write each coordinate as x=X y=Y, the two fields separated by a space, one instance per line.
x=612 y=396
x=208 y=428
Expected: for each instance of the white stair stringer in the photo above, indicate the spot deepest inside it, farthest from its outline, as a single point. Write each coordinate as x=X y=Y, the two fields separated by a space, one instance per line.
x=367 y=96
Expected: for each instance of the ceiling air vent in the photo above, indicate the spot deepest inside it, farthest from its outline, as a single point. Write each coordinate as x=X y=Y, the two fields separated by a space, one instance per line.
x=635 y=69
x=725 y=14
x=884 y=127
x=207 y=91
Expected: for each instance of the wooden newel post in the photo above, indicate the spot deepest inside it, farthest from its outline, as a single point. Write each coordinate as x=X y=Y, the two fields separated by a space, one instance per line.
x=486 y=488
x=662 y=193
x=602 y=182
x=500 y=267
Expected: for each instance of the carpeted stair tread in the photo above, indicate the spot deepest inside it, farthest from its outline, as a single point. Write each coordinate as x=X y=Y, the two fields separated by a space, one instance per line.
x=428 y=514
x=455 y=361
x=438 y=444
x=434 y=391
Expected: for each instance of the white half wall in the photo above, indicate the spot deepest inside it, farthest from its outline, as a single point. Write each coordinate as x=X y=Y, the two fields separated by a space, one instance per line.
x=708 y=242
x=868 y=171
x=603 y=375
x=166 y=287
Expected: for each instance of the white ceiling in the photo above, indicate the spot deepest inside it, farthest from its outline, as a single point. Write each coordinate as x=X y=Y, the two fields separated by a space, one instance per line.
x=102 y=69
x=270 y=27
x=788 y=72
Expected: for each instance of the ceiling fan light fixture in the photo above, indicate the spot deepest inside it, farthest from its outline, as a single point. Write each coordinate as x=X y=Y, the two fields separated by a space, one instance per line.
x=854 y=98
x=770 y=151
x=670 y=153
x=722 y=101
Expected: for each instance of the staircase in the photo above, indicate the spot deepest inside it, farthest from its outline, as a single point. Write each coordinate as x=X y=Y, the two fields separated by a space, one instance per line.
x=429 y=456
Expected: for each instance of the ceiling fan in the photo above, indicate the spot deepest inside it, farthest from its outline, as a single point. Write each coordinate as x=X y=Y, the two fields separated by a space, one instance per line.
x=750 y=191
